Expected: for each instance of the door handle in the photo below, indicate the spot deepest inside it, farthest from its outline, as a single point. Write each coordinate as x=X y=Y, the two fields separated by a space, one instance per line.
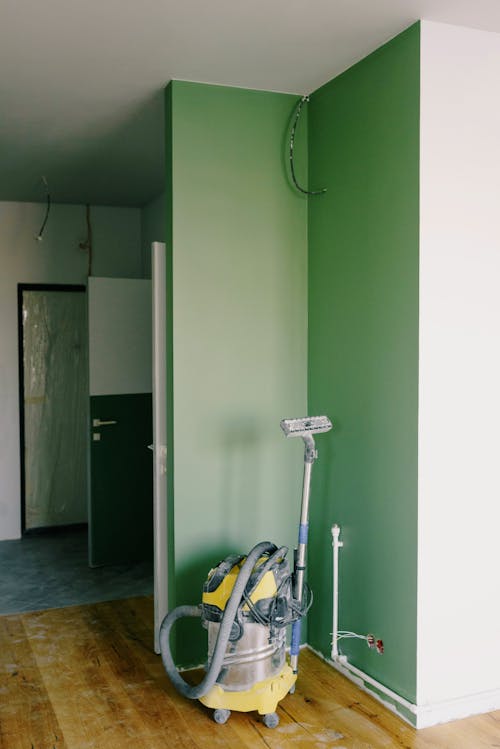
x=99 y=423
x=162 y=457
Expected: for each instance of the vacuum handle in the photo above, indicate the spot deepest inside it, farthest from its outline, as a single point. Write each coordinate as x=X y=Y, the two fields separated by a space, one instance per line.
x=300 y=554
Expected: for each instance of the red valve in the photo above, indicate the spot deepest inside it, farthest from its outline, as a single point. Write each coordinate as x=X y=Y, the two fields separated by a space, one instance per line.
x=380 y=647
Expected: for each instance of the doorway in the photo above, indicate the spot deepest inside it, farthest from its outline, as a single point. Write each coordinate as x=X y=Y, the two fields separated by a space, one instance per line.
x=53 y=399
x=49 y=566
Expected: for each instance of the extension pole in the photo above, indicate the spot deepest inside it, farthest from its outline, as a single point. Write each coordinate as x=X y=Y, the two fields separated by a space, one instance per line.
x=310 y=455
x=304 y=428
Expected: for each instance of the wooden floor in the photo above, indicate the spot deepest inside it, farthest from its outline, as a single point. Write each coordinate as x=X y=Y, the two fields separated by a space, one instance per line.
x=86 y=678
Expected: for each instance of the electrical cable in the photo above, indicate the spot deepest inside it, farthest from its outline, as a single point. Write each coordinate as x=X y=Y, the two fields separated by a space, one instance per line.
x=87 y=245
x=298 y=110
x=272 y=619
x=47 y=211
x=89 y=239
x=371 y=641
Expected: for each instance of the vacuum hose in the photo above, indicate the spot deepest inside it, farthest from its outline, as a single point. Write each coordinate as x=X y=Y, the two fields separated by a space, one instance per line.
x=199 y=690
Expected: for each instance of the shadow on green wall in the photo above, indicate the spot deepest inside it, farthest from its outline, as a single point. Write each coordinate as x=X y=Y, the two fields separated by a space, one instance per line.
x=190 y=637
x=323 y=513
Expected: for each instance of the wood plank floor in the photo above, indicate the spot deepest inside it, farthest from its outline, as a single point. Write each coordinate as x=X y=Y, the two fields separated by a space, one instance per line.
x=86 y=677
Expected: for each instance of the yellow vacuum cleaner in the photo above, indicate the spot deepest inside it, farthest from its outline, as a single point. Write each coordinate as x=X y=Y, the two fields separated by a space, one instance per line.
x=247 y=604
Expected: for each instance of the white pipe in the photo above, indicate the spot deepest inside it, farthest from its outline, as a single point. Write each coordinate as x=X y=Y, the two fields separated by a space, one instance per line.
x=340 y=661
x=336 y=544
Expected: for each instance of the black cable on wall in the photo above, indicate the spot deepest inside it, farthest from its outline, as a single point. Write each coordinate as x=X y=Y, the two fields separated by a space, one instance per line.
x=296 y=118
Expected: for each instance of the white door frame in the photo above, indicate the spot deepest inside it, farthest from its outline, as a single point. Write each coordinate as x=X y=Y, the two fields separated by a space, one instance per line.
x=160 y=515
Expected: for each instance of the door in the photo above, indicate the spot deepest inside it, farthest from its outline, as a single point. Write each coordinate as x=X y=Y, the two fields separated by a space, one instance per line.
x=53 y=400
x=120 y=386
x=159 y=272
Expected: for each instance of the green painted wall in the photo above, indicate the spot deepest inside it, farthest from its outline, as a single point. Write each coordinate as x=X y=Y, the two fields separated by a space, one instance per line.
x=239 y=337
x=363 y=354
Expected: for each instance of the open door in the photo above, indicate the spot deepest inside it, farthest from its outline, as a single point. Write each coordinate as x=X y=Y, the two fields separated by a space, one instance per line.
x=159 y=272
x=120 y=385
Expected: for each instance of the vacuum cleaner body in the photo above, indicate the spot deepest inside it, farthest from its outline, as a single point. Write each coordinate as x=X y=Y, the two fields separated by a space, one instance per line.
x=254 y=673
x=248 y=602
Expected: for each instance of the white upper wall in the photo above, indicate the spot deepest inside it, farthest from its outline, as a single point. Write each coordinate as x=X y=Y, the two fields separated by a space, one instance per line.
x=57 y=259
x=120 y=356
x=459 y=404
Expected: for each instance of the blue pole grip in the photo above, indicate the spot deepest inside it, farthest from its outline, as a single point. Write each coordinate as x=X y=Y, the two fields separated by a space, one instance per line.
x=295 y=644
x=303 y=533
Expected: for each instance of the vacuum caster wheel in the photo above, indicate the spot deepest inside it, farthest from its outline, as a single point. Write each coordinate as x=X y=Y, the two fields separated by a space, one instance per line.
x=271 y=720
x=221 y=716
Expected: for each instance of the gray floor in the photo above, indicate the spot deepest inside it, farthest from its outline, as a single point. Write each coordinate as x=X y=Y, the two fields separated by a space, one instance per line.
x=51 y=571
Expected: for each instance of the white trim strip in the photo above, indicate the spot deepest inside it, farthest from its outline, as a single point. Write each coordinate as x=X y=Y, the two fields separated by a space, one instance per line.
x=159 y=311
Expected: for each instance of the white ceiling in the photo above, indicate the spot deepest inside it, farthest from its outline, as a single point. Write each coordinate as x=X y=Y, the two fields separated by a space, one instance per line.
x=81 y=80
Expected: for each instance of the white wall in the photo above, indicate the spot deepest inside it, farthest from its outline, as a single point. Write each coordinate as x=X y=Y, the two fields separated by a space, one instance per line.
x=58 y=259
x=459 y=406
x=120 y=355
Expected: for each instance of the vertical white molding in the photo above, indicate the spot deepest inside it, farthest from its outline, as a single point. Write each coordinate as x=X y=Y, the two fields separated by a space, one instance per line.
x=459 y=373
x=159 y=310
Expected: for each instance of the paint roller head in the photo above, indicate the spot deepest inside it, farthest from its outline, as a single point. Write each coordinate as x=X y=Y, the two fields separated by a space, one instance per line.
x=305 y=426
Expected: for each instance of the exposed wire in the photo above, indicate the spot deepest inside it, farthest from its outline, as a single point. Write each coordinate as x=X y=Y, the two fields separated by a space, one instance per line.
x=47 y=211
x=352 y=635
x=370 y=640
x=87 y=245
x=296 y=118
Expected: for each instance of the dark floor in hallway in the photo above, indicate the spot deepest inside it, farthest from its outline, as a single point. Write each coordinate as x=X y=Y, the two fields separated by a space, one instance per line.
x=51 y=571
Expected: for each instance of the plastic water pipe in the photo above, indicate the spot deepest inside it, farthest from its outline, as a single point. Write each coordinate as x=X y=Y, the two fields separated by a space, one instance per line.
x=336 y=545
x=341 y=660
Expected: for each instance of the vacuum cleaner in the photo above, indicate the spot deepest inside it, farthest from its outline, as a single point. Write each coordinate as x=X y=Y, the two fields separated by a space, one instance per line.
x=248 y=601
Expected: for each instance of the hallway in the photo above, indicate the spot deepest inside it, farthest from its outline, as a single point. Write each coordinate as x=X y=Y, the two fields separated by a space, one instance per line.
x=51 y=571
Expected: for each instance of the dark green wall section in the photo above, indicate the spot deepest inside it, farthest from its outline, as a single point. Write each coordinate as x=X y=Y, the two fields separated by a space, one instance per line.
x=363 y=354
x=239 y=337
x=121 y=504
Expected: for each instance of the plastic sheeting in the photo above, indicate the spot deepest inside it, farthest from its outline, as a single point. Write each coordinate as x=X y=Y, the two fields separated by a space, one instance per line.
x=55 y=407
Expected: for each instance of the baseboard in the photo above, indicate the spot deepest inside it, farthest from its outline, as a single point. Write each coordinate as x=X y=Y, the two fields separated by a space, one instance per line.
x=461 y=707
x=54 y=530
x=419 y=716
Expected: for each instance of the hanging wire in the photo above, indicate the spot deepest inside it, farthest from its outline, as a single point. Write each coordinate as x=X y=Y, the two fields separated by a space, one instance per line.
x=47 y=211
x=298 y=110
x=87 y=244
